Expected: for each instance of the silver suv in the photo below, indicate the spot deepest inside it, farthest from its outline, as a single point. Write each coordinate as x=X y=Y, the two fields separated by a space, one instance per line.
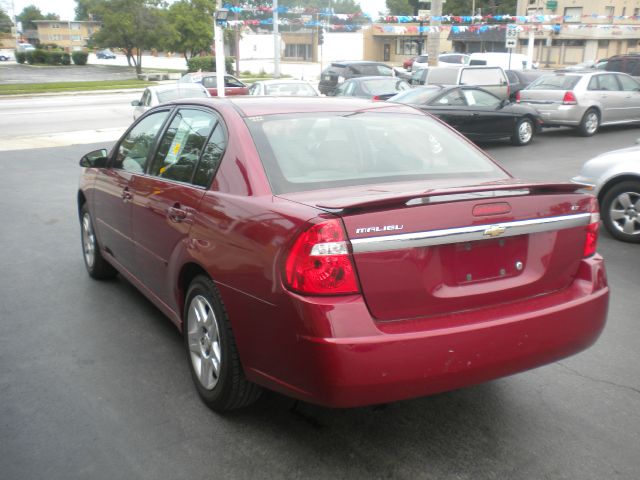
x=584 y=100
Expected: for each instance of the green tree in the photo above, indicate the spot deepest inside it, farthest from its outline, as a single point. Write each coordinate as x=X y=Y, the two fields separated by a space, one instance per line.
x=5 y=22
x=133 y=25
x=190 y=27
x=31 y=13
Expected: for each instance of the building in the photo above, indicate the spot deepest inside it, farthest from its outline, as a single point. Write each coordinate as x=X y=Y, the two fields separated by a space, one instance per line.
x=70 y=35
x=567 y=32
x=394 y=43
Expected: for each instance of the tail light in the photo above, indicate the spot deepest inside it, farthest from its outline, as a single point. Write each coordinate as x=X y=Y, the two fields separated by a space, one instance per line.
x=319 y=262
x=376 y=98
x=591 y=241
x=569 y=99
x=518 y=96
x=508 y=91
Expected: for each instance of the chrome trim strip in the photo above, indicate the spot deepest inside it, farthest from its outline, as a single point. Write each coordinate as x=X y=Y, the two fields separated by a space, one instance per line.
x=466 y=234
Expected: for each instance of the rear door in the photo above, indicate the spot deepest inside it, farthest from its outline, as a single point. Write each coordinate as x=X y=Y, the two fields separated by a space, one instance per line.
x=631 y=92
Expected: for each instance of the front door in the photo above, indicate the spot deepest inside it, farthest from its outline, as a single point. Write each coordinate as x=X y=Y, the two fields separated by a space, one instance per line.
x=387 y=52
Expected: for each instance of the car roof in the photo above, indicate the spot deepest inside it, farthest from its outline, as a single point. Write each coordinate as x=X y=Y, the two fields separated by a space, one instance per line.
x=344 y=63
x=251 y=106
x=176 y=86
x=373 y=77
x=281 y=81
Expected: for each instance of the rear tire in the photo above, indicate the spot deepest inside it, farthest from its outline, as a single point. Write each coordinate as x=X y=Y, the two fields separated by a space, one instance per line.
x=590 y=123
x=523 y=133
x=211 y=349
x=620 y=211
x=97 y=266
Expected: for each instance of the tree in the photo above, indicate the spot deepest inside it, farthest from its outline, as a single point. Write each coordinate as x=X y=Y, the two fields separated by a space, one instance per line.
x=190 y=27
x=5 y=22
x=30 y=14
x=133 y=25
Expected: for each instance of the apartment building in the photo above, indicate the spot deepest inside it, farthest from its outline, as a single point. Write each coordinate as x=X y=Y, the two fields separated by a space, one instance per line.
x=567 y=32
x=70 y=35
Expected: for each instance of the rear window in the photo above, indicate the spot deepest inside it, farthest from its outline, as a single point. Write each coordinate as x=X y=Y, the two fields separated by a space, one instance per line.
x=380 y=86
x=296 y=89
x=371 y=70
x=481 y=76
x=555 y=82
x=169 y=95
x=417 y=96
x=445 y=76
x=329 y=150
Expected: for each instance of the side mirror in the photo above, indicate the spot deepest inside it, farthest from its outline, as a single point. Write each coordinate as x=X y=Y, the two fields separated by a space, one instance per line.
x=135 y=103
x=95 y=159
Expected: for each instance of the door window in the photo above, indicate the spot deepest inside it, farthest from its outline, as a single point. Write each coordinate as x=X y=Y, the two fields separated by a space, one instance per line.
x=607 y=83
x=481 y=99
x=453 y=98
x=135 y=148
x=628 y=83
x=211 y=157
x=182 y=144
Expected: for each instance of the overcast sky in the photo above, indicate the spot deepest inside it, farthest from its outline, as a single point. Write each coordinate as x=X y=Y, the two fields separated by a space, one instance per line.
x=65 y=8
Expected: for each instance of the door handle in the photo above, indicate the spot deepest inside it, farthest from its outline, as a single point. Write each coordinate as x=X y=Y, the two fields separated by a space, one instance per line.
x=176 y=214
x=127 y=196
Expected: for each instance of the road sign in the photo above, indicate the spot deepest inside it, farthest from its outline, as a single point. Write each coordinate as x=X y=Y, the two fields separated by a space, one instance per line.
x=424 y=13
x=511 y=43
x=512 y=31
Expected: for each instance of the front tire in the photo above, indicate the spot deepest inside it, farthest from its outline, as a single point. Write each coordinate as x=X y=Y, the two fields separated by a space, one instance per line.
x=97 y=266
x=212 y=352
x=590 y=123
x=621 y=211
x=523 y=133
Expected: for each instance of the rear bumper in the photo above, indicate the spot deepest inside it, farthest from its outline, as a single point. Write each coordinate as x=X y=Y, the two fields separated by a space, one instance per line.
x=559 y=115
x=391 y=361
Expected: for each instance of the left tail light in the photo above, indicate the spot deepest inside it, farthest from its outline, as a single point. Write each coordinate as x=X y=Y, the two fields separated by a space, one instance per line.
x=319 y=262
x=591 y=241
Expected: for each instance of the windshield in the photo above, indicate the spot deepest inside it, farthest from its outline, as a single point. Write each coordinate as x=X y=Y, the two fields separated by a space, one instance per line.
x=555 y=82
x=328 y=150
x=169 y=95
x=417 y=96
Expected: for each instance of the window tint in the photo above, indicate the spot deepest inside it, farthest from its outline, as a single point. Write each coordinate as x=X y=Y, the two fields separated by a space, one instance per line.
x=417 y=96
x=211 y=157
x=327 y=150
x=230 y=81
x=607 y=83
x=555 y=82
x=134 y=149
x=182 y=144
x=479 y=98
x=481 y=76
x=453 y=98
x=615 y=65
x=628 y=83
x=513 y=78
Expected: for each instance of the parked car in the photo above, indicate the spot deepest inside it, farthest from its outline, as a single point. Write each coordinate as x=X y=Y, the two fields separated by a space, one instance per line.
x=158 y=94
x=519 y=79
x=422 y=61
x=232 y=86
x=4 y=58
x=492 y=79
x=629 y=64
x=614 y=177
x=408 y=63
x=337 y=72
x=105 y=53
x=340 y=251
x=283 y=87
x=476 y=113
x=584 y=100
x=419 y=77
x=25 y=47
x=374 y=88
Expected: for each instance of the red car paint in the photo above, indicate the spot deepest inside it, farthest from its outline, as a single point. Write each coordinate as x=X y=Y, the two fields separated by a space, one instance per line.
x=423 y=319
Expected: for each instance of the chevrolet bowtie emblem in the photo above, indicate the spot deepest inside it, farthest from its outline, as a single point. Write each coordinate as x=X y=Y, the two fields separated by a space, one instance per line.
x=494 y=231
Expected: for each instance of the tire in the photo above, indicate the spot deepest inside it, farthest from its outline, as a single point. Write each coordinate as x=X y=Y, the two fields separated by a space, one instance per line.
x=523 y=132
x=96 y=265
x=620 y=211
x=211 y=349
x=590 y=123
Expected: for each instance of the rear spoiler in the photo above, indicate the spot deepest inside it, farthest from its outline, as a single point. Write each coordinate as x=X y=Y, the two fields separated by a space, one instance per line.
x=378 y=199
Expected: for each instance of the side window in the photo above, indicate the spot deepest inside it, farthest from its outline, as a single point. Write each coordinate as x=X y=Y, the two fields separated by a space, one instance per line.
x=608 y=82
x=452 y=98
x=232 y=82
x=632 y=67
x=134 y=149
x=253 y=89
x=146 y=98
x=593 y=84
x=211 y=157
x=614 y=65
x=628 y=84
x=481 y=99
x=513 y=78
x=182 y=144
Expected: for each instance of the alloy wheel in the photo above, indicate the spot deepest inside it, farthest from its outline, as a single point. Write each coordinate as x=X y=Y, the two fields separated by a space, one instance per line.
x=203 y=336
x=525 y=132
x=625 y=213
x=88 y=241
x=591 y=122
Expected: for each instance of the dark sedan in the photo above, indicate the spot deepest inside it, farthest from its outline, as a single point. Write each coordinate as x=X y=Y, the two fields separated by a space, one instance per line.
x=374 y=88
x=474 y=112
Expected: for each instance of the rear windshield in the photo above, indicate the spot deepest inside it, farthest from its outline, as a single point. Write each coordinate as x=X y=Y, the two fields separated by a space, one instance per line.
x=371 y=70
x=445 y=76
x=417 y=96
x=555 y=82
x=481 y=76
x=296 y=89
x=169 y=95
x=381 y=86
x=329 y=150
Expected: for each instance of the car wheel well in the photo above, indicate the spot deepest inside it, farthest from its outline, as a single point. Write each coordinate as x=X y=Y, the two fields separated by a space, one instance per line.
x=613 y=182
x=187 y=274
x=81 y=201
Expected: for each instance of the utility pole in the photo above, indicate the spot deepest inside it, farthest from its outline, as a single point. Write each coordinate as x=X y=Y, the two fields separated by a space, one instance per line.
x=219 y=46
x=276 y=42
x=237 y=42
x=433 y=39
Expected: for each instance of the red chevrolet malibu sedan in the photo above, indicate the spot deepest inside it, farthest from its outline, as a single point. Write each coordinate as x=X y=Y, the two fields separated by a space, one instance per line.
x=340 y=251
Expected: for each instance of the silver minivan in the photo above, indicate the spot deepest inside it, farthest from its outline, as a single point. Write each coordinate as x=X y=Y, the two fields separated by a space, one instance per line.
x=492 y=79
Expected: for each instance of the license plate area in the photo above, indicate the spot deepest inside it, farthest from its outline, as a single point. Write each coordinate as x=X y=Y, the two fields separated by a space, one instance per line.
x=484 y=260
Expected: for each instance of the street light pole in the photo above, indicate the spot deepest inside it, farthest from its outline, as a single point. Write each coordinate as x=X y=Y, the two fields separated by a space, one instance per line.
x=219 y=46
x=276 y=41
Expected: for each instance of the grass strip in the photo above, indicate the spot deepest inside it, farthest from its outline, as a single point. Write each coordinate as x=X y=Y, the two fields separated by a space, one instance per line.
x=17 y=89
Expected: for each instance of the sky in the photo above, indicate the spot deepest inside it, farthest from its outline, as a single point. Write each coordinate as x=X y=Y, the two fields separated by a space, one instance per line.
x=66 y=8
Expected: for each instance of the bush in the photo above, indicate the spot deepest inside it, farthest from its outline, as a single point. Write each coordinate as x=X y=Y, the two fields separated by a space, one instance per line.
x=21 y=57
x=80 y=58
x=66 y=59
x=39 y=56
x=208 y=64
x=53 y=58
x=30 y=57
